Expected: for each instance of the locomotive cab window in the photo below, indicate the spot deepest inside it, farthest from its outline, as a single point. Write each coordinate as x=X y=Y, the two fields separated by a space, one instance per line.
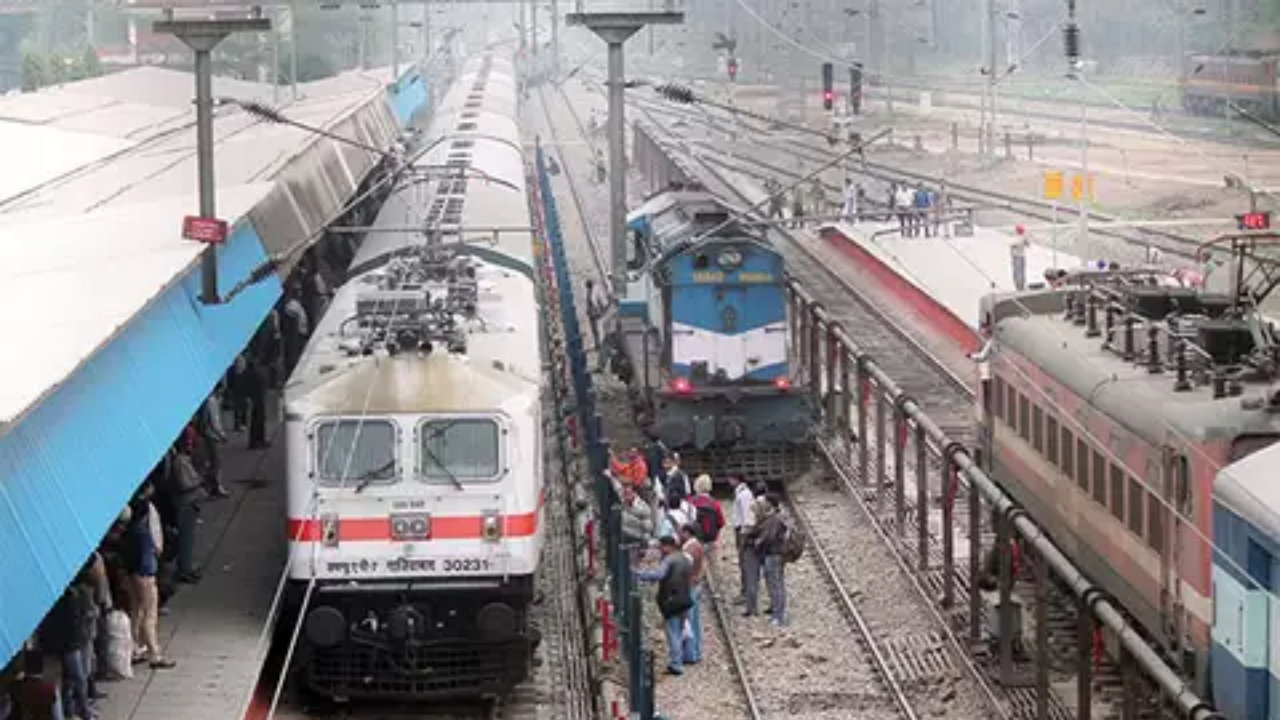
x=460 y=450
x=356 y=453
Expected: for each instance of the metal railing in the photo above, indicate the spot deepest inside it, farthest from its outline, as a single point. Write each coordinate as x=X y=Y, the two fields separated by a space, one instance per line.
x=598 y=506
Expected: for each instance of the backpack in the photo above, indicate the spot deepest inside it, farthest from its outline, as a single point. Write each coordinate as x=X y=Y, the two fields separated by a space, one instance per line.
x=709 y=519
x=793 y=541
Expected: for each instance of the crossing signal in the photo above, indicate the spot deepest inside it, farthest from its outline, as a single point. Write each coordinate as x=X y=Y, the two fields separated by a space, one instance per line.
x=855 y=89
x=828 y=91
x=732 y=67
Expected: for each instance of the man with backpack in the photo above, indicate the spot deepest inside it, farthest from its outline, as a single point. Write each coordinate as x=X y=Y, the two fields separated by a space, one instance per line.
x=675 y=597
x=708 y=517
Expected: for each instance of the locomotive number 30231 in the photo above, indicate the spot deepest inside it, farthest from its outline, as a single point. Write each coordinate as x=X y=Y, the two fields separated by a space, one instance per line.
x=455 y=565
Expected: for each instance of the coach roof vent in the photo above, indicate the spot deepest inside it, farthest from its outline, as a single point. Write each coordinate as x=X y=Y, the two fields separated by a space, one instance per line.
x=462 y=144
x=465 y=127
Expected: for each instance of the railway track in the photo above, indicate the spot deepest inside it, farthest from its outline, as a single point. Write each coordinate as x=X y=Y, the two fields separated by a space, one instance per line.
x=948 y=401
x=1172 y=244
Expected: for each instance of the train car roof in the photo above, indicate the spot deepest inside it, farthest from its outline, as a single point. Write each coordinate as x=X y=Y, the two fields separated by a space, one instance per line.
x=1249 y=489
x=677 y=217
x=408 y=384
x=1143 y=402
x=492 y=195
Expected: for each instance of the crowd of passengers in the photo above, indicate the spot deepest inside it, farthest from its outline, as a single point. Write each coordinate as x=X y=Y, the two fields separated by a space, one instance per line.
x=106 y=625
x=672 y=528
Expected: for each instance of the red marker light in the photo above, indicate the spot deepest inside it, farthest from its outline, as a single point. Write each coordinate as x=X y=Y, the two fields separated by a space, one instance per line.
x=680 y=385
x=1254 y=221
x=782 y=383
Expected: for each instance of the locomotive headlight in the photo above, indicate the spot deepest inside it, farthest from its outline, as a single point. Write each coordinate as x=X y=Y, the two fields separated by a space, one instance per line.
x=415 y=526
x=729 y=259
x=492 y=528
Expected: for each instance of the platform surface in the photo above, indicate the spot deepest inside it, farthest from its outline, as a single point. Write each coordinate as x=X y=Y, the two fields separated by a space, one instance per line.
x=215 y=630
x=957 y=271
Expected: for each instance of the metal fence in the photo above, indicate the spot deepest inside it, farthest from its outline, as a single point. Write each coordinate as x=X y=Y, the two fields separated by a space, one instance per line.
x=616 y=611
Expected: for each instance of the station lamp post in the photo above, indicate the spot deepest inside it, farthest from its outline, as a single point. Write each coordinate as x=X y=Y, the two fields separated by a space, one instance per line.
x=202 y=36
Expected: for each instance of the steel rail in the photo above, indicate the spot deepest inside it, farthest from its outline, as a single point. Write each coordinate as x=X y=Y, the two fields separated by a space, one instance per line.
x=731 y=643
x=855 y=616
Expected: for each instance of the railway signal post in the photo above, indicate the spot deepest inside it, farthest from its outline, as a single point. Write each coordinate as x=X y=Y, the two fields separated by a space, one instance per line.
x=615 y=28
x=202 y=36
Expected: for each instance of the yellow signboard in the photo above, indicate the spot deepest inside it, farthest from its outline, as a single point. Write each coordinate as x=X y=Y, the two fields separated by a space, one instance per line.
x=1053 y=185
x=1077 y=187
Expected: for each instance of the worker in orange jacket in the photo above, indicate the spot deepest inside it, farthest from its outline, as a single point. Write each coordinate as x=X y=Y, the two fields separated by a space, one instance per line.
x=631 y=469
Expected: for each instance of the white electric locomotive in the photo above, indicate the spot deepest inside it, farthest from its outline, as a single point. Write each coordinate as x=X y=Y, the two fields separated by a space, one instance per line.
x=414 y=428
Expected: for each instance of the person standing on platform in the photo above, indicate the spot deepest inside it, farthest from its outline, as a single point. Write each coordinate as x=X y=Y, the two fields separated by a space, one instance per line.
x=208 y=425
x=797 y=208
x=849 y=211
x=941 y=209
x=295 y=329
x=255 y=389
x=1018 y=259
x=776 y=199
x=904 y=201
x=145 y=542
x=817 y=198
x=923 y=201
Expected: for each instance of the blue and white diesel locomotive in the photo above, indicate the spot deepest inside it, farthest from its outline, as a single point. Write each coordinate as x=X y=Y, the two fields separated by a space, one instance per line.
x=706 y=341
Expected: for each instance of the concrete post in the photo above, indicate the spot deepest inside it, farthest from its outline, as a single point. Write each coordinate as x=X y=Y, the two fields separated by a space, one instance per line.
x=395 y=42
x=293 y=50
x=202 y=36
x=615 y=29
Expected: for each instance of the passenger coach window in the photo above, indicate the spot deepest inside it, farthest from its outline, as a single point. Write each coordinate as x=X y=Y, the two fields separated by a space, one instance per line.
x=1068 y=450
x=459 y=451
x=1099 y=478
x=1082 y=464
x=355 y=452
x=1136 y=500
x=1155 y=523
x=1037 y=428
x=1024 y=417
x=1051 y=439
x=1117 y=491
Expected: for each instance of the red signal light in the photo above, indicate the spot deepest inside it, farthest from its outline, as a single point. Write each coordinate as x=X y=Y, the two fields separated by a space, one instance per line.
x=782 y=383
x=828 y=96
x=681 y=386
x=1254 y=221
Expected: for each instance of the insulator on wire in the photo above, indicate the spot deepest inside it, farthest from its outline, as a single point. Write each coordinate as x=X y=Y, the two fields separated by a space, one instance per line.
x=1071 y=38
x=676 y=93
x=261 y=111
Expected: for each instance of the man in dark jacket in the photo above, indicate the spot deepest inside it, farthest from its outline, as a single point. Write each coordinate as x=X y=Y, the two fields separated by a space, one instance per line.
x=67 y=632
x=770 y=537
x=675 y=597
